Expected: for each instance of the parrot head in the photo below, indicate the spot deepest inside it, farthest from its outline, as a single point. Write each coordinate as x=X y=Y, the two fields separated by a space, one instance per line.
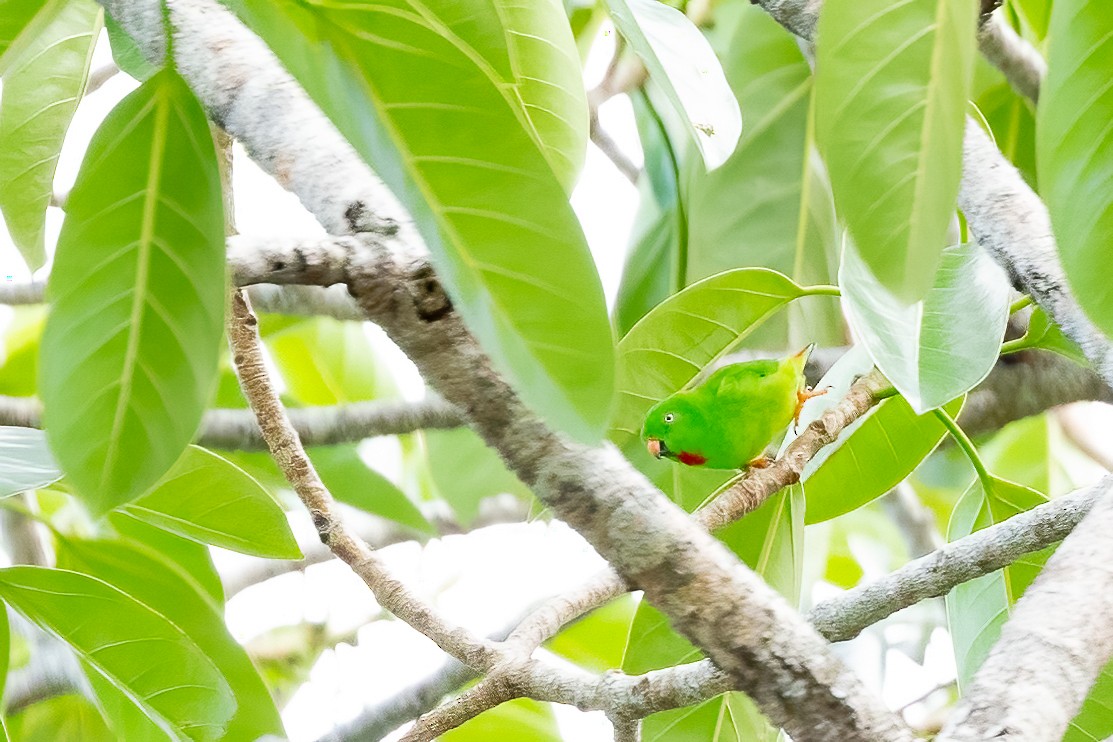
x=669 y=425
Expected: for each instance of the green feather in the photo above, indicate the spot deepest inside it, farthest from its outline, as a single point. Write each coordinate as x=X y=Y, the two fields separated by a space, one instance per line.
x=731 y=417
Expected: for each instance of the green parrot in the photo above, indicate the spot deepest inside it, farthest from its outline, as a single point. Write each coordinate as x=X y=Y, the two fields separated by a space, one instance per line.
x=727 y=421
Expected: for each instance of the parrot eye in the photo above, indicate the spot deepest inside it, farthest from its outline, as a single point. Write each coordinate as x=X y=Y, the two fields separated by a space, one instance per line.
x=669 y=417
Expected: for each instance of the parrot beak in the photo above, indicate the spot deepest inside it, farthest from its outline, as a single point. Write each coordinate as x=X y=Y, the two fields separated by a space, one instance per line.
x=654 y=447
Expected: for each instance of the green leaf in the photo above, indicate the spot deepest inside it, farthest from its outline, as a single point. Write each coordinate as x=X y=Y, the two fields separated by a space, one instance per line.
x=870 y=457
x=165 y=587
x=19 y=352
x=597 y=641
x=1043 y=333
x=1012 y=119
x=683 y=65
x=20 y=23
x=118 y=636
x=131 y=346
x=25 y=461
x=942 y=346
x=645 y=275
x=466 y=471
x=672 y=344
x=409 y=88
x=68 y=717
x=1074 y=149
x=891 y=87
x=5 y=648
x=42 y=87
x=1036 y=14
x=770 y=205
x=521 y=719
x=192 y=557
x=354 y=483
x=125 y=52
x=770 y=541
x=327 y=362
x=212 y=501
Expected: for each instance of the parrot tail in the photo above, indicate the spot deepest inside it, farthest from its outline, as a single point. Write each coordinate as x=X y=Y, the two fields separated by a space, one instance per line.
x=799 y=360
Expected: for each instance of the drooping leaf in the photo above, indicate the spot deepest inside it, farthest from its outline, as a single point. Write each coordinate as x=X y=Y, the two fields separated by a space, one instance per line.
x=117 y=635
x=466 y=471
x=683 y=65
x=25 y=461
x=212 y=501
x=410 y=89
x=942 y=346
x=42 y=87
x=672 y=344
x=870 y=457
x=891 y=87
x=58 y=718
x=770 y=541
x=1074 y=148
x=131 y=346
x=770 y=204
x=351 y=481
x=192 y=557
x=166 y=588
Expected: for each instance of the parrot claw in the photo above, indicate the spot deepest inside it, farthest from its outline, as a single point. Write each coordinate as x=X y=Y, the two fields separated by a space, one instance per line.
x=803 y=396
x=761 y=462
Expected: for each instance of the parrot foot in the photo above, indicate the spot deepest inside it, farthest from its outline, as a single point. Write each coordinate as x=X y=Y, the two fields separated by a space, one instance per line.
x=803 y=396
x=761 y=462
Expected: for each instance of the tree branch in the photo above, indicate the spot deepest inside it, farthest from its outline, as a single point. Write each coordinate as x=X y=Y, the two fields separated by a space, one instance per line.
x=1023 y=66
x=1052 y=648
x=316 y=426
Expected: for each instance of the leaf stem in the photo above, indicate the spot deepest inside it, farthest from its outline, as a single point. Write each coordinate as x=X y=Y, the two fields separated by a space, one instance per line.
x=1015 y=346
x=1024 y=301
x=963 y=441
x=822 y=289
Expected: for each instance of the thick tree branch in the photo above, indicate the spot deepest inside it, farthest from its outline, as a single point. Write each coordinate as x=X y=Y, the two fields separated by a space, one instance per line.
x=1052 y=648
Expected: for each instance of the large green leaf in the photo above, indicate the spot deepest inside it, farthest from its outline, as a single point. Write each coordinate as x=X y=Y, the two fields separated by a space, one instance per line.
x=598 y=640
x=62 y=717
x=190 y=556
x=19 y=352
x=892 y=81
x=430 y=98
x=941 y=346
x=131 y=346
x=672 y=344
x=770 y=541
x=466 y=471
x=119 y=636
x=770 y=204
x=683 y=65
x=164 y=587
x=352 y=482
x=211 y=500
x=870 y=456
x=25 y=461
x=42 y=87
x=1074 y=148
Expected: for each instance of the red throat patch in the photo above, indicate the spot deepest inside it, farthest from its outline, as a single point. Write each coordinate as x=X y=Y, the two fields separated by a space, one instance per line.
x=691 y=459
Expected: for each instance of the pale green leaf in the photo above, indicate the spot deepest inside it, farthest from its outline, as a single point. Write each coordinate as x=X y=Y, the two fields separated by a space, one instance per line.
x=42 y=87
x=520 y=719
x=683 y=65
x=166 y=588
x=1043 y=333
x=211 y=500
x=20 y=23
x=117 y=635
x=1074 y=149
x=190 y=556
x=466 y=470
x=130 y=350
x=683 y=335
x=892 y=81
x=941 y=346
x=598 y=640
x=25 y=461
x=428 y=96
x=352 y=482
